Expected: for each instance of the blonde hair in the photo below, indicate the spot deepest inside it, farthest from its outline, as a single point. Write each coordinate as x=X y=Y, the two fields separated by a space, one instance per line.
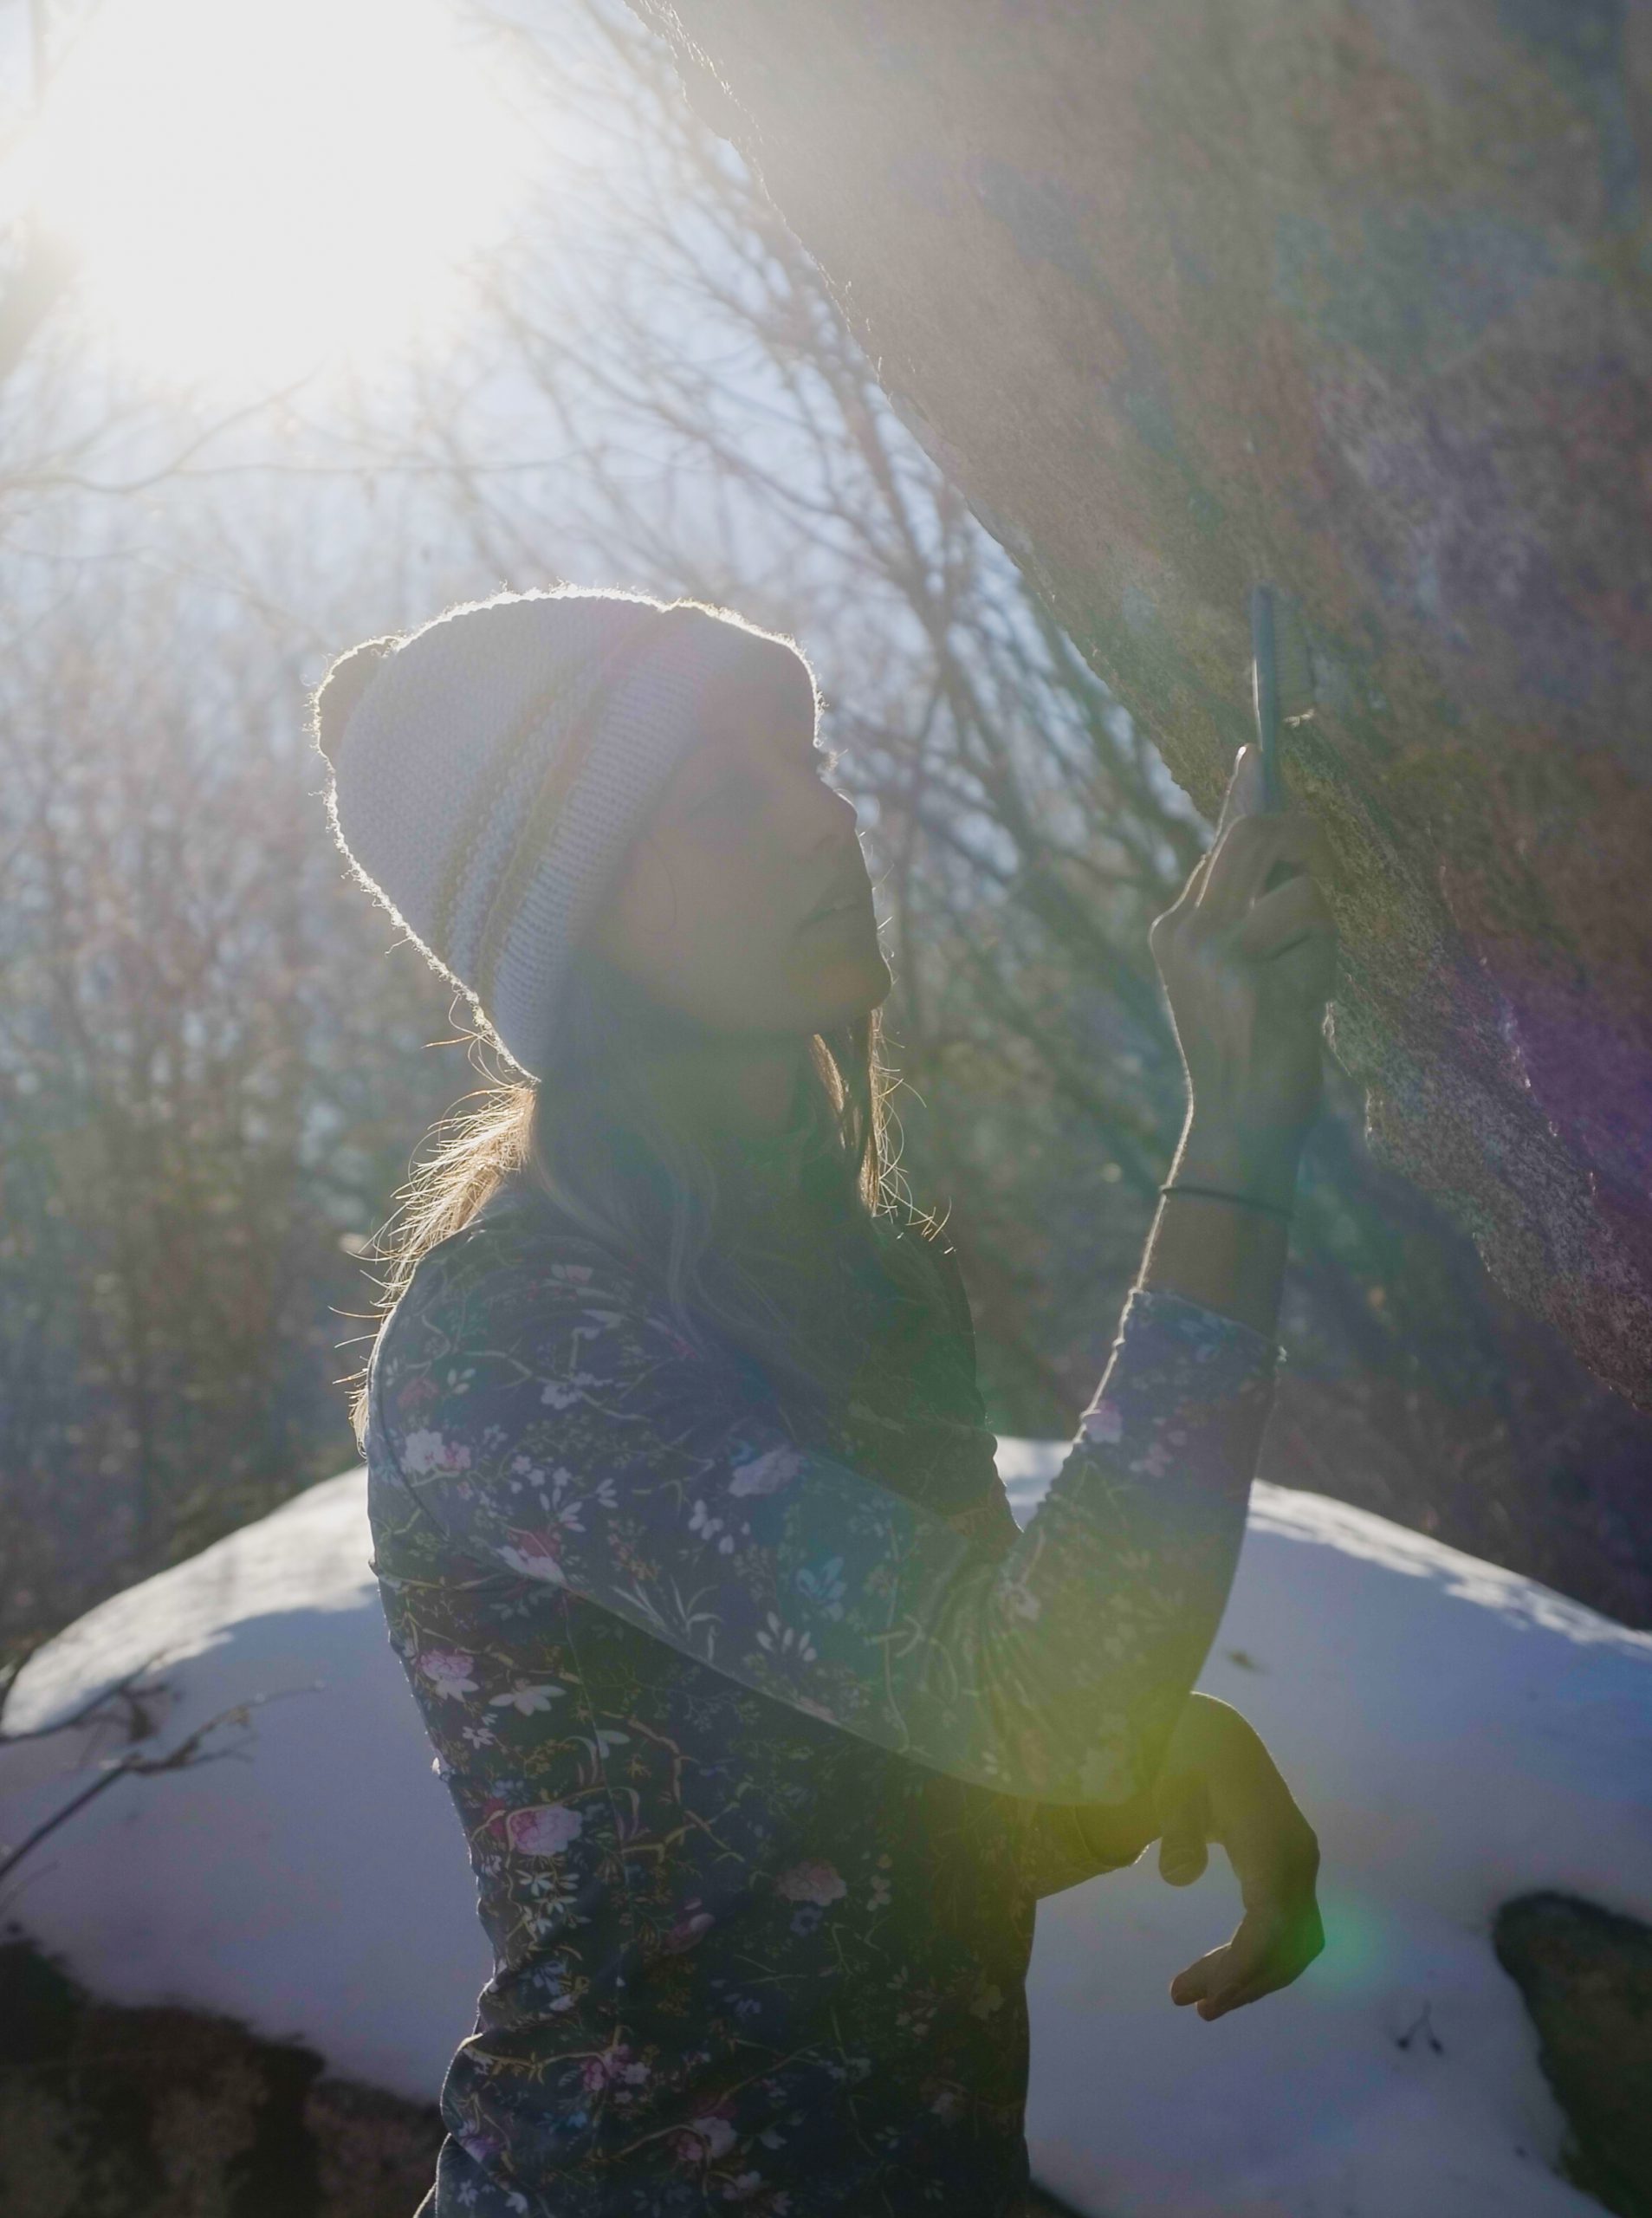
x=589 y=1135
x=588 y=1138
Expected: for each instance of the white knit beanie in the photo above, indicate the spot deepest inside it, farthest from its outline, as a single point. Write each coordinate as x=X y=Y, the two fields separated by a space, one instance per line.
x=490 y=773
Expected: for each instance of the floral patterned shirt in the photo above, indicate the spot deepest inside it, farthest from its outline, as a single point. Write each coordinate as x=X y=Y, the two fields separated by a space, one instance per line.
x=766 y=1730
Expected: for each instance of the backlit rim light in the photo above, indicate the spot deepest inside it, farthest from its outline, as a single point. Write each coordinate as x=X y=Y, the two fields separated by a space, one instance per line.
x=255 y=186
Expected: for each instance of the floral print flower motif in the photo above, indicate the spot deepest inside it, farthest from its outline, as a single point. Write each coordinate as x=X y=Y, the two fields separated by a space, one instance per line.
x=552 y=1982
x=783 y=1640
x=743 y=2187
x=691 y=1927
x=823 y=1586
x=812 y=1882
x=425 y=1451
x=416 y=1393
x=701 y=1804
x=704 y=2139
x=545 y=1830
x=527 y=1702
x=536 y=1555
x=449 y=1672
x=765 y=1474
x=566 y=1393
x=616 y=2067
x=707 y=1528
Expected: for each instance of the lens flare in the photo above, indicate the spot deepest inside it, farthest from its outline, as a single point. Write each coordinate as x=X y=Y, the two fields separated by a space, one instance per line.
x=251 y=188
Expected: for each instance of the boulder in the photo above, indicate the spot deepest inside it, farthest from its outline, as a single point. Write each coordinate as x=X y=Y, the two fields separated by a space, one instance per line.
x=1352 y=295
x=113 y=2112
x=1586 y=1974
x=1459 y=1737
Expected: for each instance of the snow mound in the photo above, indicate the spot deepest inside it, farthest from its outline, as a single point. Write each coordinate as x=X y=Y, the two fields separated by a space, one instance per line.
x=1456 y=1734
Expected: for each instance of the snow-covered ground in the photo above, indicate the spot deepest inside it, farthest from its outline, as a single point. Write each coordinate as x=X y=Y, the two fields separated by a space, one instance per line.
x=1456 y=1734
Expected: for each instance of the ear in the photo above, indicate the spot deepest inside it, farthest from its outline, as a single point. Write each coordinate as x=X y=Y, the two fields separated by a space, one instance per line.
x=342 y=687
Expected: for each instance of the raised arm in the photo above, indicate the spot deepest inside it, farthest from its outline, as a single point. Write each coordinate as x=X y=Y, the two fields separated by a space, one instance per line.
x=550 y=1419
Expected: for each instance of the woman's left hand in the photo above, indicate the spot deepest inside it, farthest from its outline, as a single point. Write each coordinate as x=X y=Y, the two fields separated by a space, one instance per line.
x=1219 y=1783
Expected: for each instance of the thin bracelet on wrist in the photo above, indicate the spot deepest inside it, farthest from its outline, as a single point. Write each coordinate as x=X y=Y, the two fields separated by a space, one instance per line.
x=1222 y=1194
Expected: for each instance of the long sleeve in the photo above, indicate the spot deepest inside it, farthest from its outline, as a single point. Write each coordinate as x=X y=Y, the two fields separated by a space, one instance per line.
x=1057 y=1847
x=551 y=1422
x=1058 y=1852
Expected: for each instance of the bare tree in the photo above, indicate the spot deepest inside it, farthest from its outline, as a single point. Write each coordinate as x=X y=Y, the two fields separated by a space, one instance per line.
x=721 y=432
x=214 y=1065
x=198 y=1060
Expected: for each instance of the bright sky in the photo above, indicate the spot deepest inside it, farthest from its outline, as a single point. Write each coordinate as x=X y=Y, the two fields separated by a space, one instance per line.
x=255 y=186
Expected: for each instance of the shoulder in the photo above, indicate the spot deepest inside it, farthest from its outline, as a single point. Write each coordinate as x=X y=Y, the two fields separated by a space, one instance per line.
x=507 y=1272
x=935 y=1263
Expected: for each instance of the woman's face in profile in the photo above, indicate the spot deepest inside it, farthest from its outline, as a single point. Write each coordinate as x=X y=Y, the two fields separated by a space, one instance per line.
x=713 y=911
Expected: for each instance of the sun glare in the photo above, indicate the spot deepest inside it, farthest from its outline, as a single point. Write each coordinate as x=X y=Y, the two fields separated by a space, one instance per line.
x=254 y=187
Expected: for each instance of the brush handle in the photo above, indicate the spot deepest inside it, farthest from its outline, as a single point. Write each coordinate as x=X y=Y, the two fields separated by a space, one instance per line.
x=1266 y=685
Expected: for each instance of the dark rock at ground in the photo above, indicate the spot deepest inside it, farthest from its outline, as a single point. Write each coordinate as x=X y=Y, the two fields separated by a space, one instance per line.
x=112 y=2112
x=1586 y=1975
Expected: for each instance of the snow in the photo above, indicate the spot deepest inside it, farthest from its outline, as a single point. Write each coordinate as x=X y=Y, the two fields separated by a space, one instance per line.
x=1456 y=1734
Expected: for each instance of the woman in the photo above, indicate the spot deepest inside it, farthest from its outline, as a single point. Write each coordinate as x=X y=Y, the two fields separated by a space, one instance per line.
x=766 y=1726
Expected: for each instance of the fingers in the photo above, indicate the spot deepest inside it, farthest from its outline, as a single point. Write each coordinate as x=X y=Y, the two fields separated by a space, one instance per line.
x=1279 y=1959
x=1214 y=1984
x=1214 y=1988
x=1252 y=846
x=1246 y=791
x=1270 y=1949
x=1274 y=1853
x=1194 y=1983
x=1243 y=797
x=1302 y=973
x=1232 y=923
x=1278 y=920
x=1183 y=1859
x=1248 y=851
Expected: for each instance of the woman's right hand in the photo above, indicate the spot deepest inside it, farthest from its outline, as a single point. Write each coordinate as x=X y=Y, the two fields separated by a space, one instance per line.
x=1218 y=1782
x=1247 y=971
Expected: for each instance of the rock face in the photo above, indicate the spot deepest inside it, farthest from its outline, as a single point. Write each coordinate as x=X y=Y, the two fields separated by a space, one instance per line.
x=1457 y=1734
x=1586 y=1974
x=1352 y=295
x=165 y=2113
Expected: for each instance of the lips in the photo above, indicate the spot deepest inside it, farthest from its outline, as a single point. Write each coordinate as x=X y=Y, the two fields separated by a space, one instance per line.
x=845 y=912
x=850 y=894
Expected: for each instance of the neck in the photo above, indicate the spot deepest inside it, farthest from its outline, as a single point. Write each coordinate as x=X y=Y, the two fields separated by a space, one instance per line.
x=723 y=1090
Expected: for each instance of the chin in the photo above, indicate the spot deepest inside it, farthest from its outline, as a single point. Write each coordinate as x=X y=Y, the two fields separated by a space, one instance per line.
x=844 y=990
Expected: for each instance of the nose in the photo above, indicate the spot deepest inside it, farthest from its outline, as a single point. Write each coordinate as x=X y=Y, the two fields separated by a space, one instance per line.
x=836 y=840
x=823 y=814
